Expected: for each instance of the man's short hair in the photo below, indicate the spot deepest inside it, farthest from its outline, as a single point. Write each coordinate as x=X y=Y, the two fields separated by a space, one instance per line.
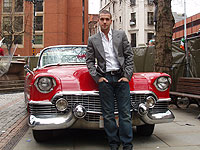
x=105 y=12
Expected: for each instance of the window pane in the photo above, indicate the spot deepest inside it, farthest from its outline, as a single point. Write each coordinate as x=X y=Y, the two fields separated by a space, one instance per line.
x=150 y=36
x=8 y=39
x=150 y=18
x=132 y=2
x=18 y=5
x=18 y=39
x=150 y=2
x=38 y=39
x=133 y=40
x=133 y=19
x=18 y=23
x=7 y=5
x=7 y=23
x=39 y=23
x=39 y=6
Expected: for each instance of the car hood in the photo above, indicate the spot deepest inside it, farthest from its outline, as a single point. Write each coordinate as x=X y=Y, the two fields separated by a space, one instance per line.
x=71 y=77
x=77 y=78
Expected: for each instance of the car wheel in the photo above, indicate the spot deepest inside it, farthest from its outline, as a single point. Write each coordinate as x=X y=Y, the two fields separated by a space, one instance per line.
x=145 y=130
x=42 y=135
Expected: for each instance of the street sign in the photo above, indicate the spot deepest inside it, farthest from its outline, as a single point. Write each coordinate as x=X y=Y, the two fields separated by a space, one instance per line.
x=33 y=51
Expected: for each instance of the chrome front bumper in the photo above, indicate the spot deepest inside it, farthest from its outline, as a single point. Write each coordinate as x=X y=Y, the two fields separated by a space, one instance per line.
x=50 y=122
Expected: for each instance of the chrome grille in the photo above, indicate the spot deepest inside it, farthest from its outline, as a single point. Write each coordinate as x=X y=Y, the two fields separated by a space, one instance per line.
x=92 y=104
x=92 y=117
x=161 y=105
x=43 y=109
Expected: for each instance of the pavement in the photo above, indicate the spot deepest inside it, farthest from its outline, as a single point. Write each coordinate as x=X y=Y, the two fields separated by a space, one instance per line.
x=181 y=134
x=13 y=118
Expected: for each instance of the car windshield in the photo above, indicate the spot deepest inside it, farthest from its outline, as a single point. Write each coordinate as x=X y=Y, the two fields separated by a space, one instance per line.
x=62 y=55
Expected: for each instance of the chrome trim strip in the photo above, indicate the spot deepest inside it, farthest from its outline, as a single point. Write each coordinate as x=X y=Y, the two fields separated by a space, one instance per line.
x=164 y=100
x=94 y=112
x=97 y=93
x=40 y=102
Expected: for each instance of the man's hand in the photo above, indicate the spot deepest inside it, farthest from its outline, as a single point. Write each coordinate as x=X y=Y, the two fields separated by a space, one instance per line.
x=102 y=79
x=123 y=79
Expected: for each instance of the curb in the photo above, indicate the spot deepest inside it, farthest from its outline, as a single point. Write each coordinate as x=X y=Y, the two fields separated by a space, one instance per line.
x=12 y=136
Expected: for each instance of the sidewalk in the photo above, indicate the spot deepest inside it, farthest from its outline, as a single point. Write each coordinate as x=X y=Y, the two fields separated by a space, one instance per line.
x=13 y=116
x=181 y=134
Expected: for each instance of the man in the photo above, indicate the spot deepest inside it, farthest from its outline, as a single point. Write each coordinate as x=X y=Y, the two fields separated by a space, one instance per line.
x=113 y=72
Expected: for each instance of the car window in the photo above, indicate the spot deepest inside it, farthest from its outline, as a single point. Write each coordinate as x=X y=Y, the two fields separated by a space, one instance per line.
x=62 y=55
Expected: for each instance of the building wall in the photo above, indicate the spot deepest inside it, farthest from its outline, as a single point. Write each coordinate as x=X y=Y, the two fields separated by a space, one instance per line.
x=62 y=24
x=92 y=24
x=124 y=10
x=193 y=26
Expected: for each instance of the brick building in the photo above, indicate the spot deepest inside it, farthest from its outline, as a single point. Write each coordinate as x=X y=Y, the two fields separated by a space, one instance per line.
x=193 y=26
x=93 y=24
x=56 y=23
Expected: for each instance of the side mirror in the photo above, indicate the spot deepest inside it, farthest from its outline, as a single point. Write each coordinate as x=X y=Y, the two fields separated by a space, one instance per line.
x=26 y=67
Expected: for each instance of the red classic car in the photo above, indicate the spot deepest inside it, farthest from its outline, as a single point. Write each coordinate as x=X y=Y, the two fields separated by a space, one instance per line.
x=60 y=93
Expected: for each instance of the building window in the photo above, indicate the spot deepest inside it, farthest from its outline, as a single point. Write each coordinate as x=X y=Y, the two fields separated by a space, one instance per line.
x=6 y=26
x=18 y=23
x=18 y=5
x=39 y=7
x=150 y=18
x=133 y=40
x=39 y=23
x=113 y=8
x=120 y=19
x=150 y=2
x=8 y=39
x=12 y=21
x=150 y=36
x=7 y=5
x=132 y=2
x=133 y=19
x=18 y=39
x=38 y=39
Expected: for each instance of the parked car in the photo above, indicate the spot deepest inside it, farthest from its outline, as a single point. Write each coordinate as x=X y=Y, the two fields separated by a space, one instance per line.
x=60 y=93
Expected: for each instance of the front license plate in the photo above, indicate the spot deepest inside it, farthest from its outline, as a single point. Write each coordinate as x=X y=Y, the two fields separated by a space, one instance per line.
x=101 y=122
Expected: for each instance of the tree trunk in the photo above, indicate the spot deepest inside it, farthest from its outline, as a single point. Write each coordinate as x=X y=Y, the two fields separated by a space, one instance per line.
x=163 y=38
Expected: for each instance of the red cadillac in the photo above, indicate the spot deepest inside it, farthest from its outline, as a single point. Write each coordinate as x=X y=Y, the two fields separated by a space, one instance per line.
x=60 y=93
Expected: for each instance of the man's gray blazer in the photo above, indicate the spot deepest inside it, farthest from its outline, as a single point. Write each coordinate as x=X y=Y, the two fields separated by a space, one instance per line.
x=95 y=51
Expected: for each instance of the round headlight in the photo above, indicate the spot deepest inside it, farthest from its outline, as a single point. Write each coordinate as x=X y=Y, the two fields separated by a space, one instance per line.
x=45 y=84
x=162 y=83
x=61 y=104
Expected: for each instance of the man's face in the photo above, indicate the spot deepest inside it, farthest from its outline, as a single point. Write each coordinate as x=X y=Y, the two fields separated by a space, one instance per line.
x=105 y=21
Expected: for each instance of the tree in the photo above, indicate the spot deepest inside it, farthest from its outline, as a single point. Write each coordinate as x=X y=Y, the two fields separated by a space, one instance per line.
x=13 y=23
x=163 y=39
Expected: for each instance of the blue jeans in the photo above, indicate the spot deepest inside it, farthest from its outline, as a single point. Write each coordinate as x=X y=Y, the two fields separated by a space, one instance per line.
x=120 y=90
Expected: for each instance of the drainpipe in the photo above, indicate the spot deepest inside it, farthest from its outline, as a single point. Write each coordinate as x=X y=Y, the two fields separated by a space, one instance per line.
x=83 y=20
